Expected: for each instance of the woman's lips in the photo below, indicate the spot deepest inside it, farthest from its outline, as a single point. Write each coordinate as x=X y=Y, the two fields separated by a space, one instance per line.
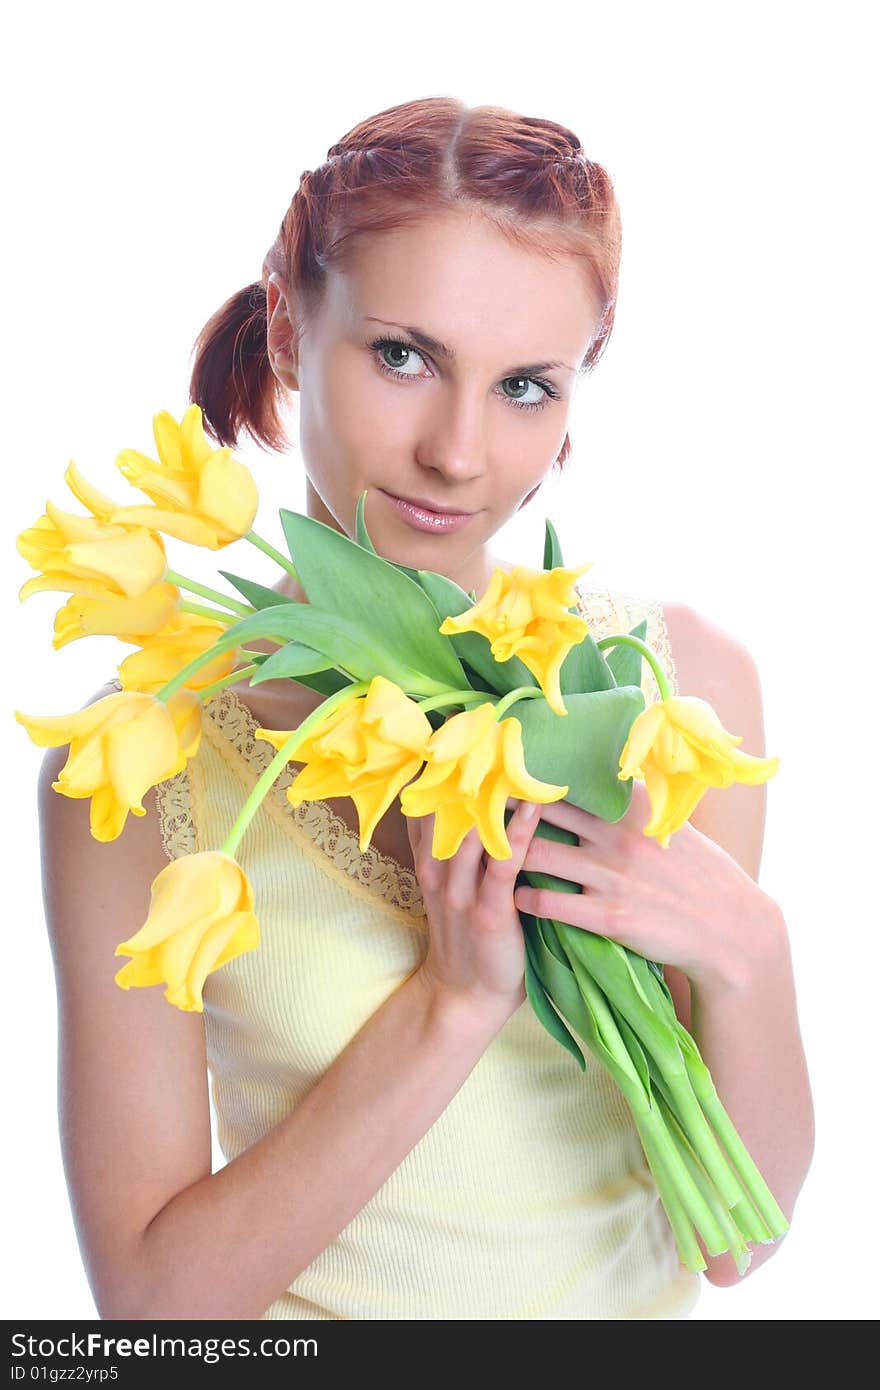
x=424 y=520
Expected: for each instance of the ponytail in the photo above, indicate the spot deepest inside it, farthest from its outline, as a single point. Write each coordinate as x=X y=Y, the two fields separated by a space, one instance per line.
x=232 y=379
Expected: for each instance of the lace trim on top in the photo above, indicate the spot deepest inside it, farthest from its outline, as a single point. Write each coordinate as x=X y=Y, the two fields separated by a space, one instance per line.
x=607 y=612
x=316 y=820
x=174 y=804
x=328 y=833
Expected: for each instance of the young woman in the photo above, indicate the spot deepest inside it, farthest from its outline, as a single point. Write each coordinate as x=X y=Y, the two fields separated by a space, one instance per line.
x=403 y=1138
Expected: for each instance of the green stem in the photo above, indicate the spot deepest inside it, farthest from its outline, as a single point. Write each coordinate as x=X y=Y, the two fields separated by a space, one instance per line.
x=695 y=1200
x=201 y=610
x=273 y=554
x=625 y=639
x=522 y=692
x=283 y=756
x=452 y=697
x=208 y=691
x=682 y=1226
x=736 y=1245
x=235 y=606
x=644 y=1108
x=475 y=697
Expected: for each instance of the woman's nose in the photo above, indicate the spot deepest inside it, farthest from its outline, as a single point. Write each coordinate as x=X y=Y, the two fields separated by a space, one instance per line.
x=453 y=439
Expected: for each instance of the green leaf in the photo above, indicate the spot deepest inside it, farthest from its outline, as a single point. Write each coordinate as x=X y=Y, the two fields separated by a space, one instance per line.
x=609 y=965
x=634 y=1048
x=363 y=538
x=350 y=645
x=541 y=1004
x=585 y=669
x=360 y=526
x=257 y=594
x=625 y=661
x=293 y=660
x=585 y=756
x=356 y=587
x=324 y=682
x=552 y=548
x=559 y=982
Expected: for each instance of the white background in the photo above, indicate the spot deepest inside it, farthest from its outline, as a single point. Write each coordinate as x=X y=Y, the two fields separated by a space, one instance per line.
x=723 y=452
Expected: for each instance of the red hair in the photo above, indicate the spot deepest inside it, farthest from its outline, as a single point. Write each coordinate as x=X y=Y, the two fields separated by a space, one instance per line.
x=529 y=177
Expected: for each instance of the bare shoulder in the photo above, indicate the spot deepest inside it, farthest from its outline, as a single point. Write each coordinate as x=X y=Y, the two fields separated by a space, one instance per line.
x=134 y=1114
x=699 y=643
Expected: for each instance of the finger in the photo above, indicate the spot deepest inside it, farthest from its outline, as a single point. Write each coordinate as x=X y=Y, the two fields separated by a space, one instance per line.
x=500 y=873
x=570 y=817
x=586 y=910
x=464 y=869
x=590 y=912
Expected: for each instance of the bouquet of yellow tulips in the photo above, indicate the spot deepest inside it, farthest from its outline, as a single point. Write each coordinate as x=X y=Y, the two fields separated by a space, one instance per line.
x=434 y=696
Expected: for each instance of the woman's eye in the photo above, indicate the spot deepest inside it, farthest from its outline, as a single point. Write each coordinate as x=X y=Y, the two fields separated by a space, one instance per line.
x=403 y=361
x=397 y=356
x=521 y=386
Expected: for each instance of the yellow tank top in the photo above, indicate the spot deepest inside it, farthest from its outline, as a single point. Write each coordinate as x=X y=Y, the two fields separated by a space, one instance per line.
x=529 y=1197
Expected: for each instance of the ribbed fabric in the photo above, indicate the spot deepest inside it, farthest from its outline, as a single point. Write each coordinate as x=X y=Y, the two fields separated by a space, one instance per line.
x=530 y=1196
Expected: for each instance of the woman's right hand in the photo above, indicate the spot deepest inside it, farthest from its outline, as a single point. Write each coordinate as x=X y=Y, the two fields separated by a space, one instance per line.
x=476 y=948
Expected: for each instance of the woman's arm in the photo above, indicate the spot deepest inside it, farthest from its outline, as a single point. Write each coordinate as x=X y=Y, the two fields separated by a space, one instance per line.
x=695 y=906
x=747 y=1031
x=161 y=1235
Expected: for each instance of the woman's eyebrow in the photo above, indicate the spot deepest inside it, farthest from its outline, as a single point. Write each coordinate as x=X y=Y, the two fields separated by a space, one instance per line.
x=438 y=349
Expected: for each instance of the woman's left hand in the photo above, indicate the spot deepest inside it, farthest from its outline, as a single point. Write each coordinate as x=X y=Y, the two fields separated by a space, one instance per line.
x=690 y=905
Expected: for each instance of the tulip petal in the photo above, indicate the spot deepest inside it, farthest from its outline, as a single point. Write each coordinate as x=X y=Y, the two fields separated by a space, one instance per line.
x=227 y=494
x=61 y=582
x=700 y=724
x=133 y=560
x=85 y=770
x=526 y=787
x=138 y=753
x=96 y=502
x=173 y=490
x=673 y=751
x=166 y=433
x=195 y=447
x=53 y=730
x=750 y=769
x=192 y=529
x=222 y=942
x=643 y=733
x=72 y=527
x=107 y=815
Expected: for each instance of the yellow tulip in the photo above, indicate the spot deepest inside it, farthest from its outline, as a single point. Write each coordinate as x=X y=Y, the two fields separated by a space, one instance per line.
x=202 y=495
x=680 y=749
x=90 y=555
x=474 y=763
x=131 y=619
x=120 y=746
x=525 y=614
x=201 y=916
x=367 y=748
x=166 y=652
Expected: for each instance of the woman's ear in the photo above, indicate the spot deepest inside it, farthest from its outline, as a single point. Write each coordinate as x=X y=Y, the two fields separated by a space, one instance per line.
x=279 y=333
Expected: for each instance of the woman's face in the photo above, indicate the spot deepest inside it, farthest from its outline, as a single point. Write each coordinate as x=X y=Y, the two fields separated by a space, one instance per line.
x=474 y=432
